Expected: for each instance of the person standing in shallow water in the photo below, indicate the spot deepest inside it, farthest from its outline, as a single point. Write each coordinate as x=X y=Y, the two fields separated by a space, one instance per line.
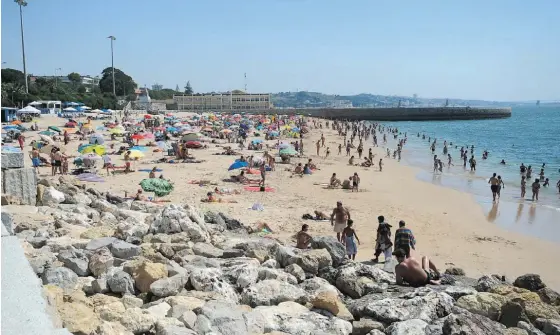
x=493 y=181
x=535 y=187
x=523 y=186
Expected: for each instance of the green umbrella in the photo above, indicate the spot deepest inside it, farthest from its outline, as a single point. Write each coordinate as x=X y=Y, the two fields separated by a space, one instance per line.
x=160 y=187
x=46 y=132
x=288 y=151
x=55 y=129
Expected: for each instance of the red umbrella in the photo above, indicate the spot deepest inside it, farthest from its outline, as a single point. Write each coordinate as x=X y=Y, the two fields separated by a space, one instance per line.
x=147 y=116
x=137 y=136
x=70 y=125
x=193 y=144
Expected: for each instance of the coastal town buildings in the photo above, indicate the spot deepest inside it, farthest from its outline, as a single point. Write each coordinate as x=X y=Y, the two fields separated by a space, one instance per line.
x=235 y=100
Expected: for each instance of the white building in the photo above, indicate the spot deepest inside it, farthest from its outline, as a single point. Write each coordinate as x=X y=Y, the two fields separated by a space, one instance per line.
x=340 y=104
x=235 y=100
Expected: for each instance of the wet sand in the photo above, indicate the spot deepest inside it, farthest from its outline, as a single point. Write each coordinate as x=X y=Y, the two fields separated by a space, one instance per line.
x=450 y=226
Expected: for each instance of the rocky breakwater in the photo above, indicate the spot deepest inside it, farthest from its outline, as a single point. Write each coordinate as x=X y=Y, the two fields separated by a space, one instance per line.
x=126 y=267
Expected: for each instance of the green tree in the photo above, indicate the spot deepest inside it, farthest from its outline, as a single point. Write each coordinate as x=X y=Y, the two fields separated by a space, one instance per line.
x=75 y=78
x=188 y=88
x=13 y=76
x=82 y=89
x=123 y=83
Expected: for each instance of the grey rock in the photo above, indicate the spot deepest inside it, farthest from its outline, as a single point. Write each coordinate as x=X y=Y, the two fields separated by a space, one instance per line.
x=210 y=280
x=174 y=330
x=124 y=250
x=271 y=263
x=549 y=296
x=120 y=282
x=472 y=324
x=277 y=274
x=407 y=327
x=207 y=250
x=316 y=284
x=335 y=248
x=103 y=206
x=130 y=301
x=224 y=318
x=61 y=277
x=143 y=206
x=100 y=261
x=548 y=326
x=75 y=260
x=203 y=325
x=241 y=272
x=174 y=219
x=272 y=292
x=12 y=160
x=37 y=242
x=138 y=321
x=296 y=271
x=101 y=242
x=421 y=304
x=233 y=253
x=286 y=255
x=458 y=291
x=357 y=279
x=529 y=328
x=20 y=183
x=168 y=286
x=511 y=313
x=365 y=325
x=531 y=282
x=108 y=219
x=486 y=283
x=159 y=310
x=100 y=285
x=313 y=260
x=131 y=230
x=188 y=318
x=455 y=271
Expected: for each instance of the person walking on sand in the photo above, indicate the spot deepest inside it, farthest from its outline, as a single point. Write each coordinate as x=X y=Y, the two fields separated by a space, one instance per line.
x=404 y=239
x=328 y=152
x=35 y=160
x=322 y=140
x=348 y=236
x=383 y=242
x=355 y=182
x=523 y=186
x=416 y=274
x=339 y=149
x=318 y=145
x=535 y=187
x=493 y=181
x=339 y=218
x=380 y=164
x=263 y=173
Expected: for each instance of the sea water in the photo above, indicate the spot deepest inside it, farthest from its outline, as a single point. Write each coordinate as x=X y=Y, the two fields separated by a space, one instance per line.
x=529 y=136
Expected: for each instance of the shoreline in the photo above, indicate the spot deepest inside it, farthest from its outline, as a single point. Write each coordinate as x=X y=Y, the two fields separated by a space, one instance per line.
x=449 y=225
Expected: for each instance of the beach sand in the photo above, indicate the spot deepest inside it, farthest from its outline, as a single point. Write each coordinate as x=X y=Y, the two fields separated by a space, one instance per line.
x=450 y=226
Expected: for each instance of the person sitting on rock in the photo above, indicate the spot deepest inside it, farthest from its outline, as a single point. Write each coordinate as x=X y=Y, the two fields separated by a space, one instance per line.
x=303 y=238
x=416 y=274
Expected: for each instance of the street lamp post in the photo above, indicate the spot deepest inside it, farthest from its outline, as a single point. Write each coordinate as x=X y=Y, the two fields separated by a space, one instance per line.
x=56 y=76
x=112 y=38
x=22 y=3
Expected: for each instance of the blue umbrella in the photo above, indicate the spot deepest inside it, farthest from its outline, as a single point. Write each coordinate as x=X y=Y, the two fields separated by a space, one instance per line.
x=139 y=148
x=257 y=140
x=172 y=129
x=10 y=127
x=237 y=165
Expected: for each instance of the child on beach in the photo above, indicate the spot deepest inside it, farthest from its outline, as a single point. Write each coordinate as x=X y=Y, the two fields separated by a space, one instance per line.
x=348 y=235
x=355 y=182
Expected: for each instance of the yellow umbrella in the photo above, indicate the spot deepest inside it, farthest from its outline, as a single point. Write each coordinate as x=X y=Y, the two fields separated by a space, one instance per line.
x=116 y=131
x=98 y=149
x=134 y=154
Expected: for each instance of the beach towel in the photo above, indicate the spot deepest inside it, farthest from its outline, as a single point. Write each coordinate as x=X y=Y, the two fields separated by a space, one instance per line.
x=90 y=177
x=150 y=170
x=258 y=189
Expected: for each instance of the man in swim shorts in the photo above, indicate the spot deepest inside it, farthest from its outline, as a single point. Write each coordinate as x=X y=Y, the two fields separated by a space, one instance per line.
x=339 y=218
x=494 y=183
x=416 y=274
x=35 y=158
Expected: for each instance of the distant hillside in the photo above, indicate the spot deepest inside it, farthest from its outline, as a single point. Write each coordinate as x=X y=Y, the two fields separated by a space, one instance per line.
x=314 y=99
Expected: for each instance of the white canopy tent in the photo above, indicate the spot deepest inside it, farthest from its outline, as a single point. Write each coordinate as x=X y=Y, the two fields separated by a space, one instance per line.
x=69 y=109
x=29 y=110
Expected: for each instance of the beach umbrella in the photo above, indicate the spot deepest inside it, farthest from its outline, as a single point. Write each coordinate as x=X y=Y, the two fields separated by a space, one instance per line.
x=226 y=131
x=163 y=145
x=70 y=109
x=160 y=187
x=172 y=129
x=257 y=140
x=191 y=137
x=116 y=131
x=148 y=135
x=10 y=128
x=96 y=139
x=284 y=145
x=46 y=138
x=54 y=128
x=92 y=148
x=237 y=165
x=288 y=152
x=29 y=110
x=135 y=154
x=47 y=133
x=70 y=125
x=137 y=137
x=16 y=122
x=139 y=148
x=193 y=144
x=96 y=111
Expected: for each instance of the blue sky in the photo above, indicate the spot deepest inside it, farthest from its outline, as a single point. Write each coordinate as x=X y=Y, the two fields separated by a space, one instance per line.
x=498 y=50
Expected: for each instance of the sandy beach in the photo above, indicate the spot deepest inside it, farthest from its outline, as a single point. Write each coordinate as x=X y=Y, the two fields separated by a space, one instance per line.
x=449 y=225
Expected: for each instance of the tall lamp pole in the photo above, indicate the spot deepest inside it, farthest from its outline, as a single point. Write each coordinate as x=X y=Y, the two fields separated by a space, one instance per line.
x=22 y=3
x=112 y=38
x=56 y=76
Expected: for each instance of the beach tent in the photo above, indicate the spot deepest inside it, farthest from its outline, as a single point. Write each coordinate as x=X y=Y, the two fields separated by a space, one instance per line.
x=96 y=139
x=29 y=110
x=237 y=165
x=34 y=103
x=69 y=110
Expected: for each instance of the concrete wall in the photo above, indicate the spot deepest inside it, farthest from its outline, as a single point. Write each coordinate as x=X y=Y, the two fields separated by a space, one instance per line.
x=395 y=114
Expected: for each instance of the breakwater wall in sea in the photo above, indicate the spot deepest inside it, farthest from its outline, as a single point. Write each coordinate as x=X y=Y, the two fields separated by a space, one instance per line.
x=399 y=114
x=392 y=113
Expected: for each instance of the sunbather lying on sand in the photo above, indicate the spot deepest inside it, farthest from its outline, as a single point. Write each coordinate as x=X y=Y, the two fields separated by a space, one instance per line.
x=211 y=198
x=224 y=191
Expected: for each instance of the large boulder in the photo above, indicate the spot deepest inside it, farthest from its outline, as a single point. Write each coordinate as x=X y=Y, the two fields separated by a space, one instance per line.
x=241 y=272
x=408 y=327
x=486 y=283
x=291 y=318
x=145 y=273
x=549 y=296
x=138 y=321
x=111 y=312
x=100 y=243
x=168 y=286
x=421 y=304
x=529 y=328
x=130 y=230
x=174 y=219
x=313 y=260
x=296 y=271
x=334 y=248
x=101 y=261
x=64 y=278
x=531 y=282
x=470 y=323
x=52 y=197
x=330 y=301
x=124 y=250
x=483 y=303
x=549 y=326
x=207 y=250
x=225 y=318
x=211 y=280
x=511 y=313
x=277 y=274
x=357 y=279
x=366 y=325
x=78 y=318
x=120 y=281
x=76 y=260
x=272 y=292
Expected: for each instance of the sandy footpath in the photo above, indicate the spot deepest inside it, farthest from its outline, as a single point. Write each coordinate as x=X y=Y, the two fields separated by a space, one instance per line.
x=449 y=225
